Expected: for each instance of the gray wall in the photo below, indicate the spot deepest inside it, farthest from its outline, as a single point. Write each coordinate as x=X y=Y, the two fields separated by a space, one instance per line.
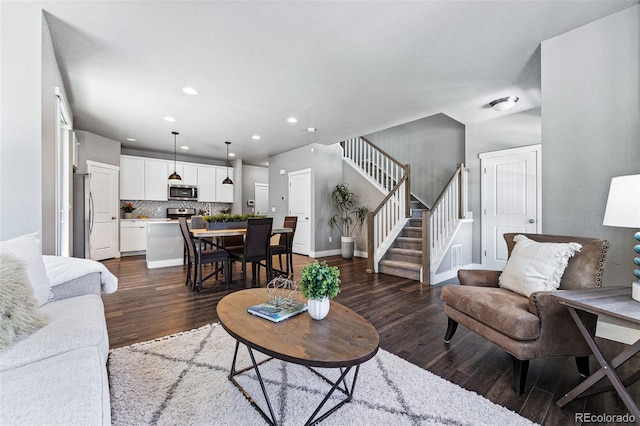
x=27 y=191
x=96 y=148
x=325 y=163
x=432 y=145
x=21 y=127
x=590 y=130
x=250 y=176
x=506 y=132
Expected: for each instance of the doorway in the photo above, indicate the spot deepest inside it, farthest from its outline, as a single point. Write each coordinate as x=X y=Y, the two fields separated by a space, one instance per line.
x=511 y=193
x=103 y=181
x=300 y=206
x=261 y=198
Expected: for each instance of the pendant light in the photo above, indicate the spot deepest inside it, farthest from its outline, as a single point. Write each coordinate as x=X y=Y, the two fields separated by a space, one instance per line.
x=227 y=181
x=174 y=178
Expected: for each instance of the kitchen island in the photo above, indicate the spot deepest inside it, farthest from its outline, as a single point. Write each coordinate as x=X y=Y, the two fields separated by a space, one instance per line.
x=165 y=246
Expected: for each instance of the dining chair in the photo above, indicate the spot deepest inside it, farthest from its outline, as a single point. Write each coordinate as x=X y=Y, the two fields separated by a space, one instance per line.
x=285 y=243
x=255 y=248
x=199 y=255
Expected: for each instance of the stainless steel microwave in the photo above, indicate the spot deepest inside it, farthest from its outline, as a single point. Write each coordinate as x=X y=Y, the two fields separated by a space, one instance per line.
x=183 y=192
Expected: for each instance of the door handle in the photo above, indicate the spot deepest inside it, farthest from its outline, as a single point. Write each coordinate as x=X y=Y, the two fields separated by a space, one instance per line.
x=532 y=221
x=113 y=218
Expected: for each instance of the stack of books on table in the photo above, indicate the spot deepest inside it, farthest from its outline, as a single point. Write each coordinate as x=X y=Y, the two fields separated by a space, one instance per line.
x=277 y=312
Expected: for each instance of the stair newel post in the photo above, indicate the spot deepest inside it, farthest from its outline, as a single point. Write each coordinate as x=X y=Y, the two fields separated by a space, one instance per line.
x=426 y=248
x=407 y=191
x=370 y=243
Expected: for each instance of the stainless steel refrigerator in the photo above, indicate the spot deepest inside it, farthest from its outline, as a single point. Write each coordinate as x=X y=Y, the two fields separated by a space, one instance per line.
x=82 y=215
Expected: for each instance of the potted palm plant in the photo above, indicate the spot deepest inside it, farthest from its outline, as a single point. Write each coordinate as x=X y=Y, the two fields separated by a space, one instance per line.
x=319 y=283
x=349 y=217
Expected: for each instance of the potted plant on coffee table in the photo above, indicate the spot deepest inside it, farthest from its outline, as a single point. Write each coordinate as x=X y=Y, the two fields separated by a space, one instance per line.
x=349 y=217
x=319 y=283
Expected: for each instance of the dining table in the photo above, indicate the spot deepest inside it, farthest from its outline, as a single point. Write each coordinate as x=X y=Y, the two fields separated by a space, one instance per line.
x=203 y=234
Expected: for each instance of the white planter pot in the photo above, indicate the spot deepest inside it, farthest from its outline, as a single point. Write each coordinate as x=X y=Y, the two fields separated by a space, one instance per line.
x=347 y=246
x=318 y=308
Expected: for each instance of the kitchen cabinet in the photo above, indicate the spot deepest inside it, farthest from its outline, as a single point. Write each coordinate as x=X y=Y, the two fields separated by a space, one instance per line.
x=188 y=173
x=131 y=178
x=133 y=236
x=224 y=193
x=206 y=184
x=155 y=180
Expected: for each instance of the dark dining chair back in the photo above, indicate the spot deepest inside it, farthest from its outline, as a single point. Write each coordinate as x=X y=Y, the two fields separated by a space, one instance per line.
x=284 y=246
x=255 y=248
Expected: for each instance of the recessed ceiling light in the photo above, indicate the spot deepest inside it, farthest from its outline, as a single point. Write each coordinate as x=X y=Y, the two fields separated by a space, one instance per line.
x=169 y=119
x=184 y=147
x=231 y=154
x=292 y=120
x=255 y=137
x=131 y=139
x=190 y=91
x=311 y=129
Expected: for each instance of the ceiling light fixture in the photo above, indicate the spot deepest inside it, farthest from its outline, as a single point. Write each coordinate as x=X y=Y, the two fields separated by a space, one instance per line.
x=311 y=129
x=292 y=120
x=190 y=91
x=504 y=104
x=227 y=181
x=174 y=178
x=255 y=137
x=169 y=119
x=184 y=147
x=131 y=139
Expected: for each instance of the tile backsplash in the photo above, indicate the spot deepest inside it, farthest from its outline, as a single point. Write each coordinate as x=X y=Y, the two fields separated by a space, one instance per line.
x=158 y=209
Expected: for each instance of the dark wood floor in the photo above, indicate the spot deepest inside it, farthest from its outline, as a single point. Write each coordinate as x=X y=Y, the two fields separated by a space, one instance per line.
x=408 y=316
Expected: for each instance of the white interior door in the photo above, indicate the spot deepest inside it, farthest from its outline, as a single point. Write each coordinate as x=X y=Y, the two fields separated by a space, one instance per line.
x=261 y=198
x=103 y=181
x=300 y=205
x=511 y=195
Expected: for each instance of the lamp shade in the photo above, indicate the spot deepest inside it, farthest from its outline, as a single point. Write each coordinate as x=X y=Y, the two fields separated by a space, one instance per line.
x=623 y=204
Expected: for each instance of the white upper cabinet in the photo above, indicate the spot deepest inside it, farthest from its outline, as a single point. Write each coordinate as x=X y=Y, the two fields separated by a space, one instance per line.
x=155 y=180
x=189 y=174
x=147 y=179
x=206 y=183
x=131 y=178
x=224 y=193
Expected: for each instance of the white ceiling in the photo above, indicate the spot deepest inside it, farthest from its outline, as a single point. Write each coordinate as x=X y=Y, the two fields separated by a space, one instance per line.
x=346 y=68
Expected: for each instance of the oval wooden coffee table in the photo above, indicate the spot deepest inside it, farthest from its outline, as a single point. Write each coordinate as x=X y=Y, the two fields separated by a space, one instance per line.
x=342 y=340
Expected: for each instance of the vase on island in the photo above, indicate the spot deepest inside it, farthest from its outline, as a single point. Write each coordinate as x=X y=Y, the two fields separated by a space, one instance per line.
x=318 y=308
x=128 y=215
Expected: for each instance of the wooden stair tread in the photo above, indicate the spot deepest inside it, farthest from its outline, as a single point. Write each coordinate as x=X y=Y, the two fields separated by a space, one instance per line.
x=410 y=252
x=400 y=264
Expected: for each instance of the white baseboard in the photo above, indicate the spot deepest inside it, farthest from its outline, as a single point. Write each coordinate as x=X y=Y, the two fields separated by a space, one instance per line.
x=617 y=330
x=447 y=275
x=336 y=252
x=164 y=263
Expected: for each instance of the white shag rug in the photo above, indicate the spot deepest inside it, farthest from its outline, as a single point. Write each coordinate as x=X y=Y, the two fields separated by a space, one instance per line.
x=183 y=380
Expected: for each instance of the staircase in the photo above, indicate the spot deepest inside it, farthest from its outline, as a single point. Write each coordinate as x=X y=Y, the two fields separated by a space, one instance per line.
x=404 y=237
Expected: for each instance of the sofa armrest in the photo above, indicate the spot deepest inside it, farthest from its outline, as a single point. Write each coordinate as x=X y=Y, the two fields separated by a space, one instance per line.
x=86 y=284
x=479 y=278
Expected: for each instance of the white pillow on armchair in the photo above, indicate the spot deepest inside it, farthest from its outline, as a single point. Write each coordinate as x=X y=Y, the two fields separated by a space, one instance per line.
x=535 y=266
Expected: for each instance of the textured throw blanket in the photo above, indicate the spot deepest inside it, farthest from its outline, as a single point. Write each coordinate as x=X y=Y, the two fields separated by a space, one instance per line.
x=62 y=269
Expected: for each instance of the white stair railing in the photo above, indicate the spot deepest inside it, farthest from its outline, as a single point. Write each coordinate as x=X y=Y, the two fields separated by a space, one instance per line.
x=385 y=222
x=446 y=214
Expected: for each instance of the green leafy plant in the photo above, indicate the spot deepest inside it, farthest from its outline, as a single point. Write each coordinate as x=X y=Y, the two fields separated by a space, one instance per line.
x=128 y=207
x=350 y=215
x=319 y=280
x=223 y=217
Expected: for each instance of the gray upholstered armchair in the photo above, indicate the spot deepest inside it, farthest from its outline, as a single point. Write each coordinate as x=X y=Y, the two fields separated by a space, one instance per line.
x=526 y=327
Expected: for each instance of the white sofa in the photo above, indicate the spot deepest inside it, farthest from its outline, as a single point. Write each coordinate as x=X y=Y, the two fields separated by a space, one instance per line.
x=58 y=374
